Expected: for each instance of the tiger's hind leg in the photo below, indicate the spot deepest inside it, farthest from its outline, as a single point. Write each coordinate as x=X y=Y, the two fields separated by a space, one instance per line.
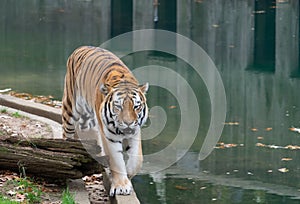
x=68 y=124
x=68 y=130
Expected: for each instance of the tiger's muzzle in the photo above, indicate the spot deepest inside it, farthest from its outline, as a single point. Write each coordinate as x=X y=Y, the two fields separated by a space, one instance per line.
x=128 y=131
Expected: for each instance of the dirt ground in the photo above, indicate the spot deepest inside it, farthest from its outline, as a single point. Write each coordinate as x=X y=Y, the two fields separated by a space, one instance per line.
x=14 y=124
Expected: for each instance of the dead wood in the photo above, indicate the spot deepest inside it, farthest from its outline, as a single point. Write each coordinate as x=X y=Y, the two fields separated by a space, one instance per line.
x=50 y=158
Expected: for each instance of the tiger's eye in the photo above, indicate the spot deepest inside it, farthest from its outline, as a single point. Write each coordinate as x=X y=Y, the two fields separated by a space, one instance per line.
x=137 y=106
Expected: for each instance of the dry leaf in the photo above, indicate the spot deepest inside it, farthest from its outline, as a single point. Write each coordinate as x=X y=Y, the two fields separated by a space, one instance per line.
x=230 y=145
x=20 y=197
x=259 y=12
x=294 y=129
x=231 y=123
x=181 y=187
x=260 y=145
x=11 y=193
x=292 y=147
x=283 y=170
x=268 y=129
x=222 y=145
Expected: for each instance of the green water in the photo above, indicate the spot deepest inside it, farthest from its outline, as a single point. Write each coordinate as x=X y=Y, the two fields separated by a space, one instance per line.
x=255 y=47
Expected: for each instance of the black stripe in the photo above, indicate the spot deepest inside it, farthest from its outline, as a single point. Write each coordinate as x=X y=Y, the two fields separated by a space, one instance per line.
x=111 y=123
x=76 y=110
x=93 y=123
x=143 y=116
x=120 y=93
x=116 y=64
x=96 y=69
x=102 y=70
x=69 y=129
x=108 y=111
x=66 y=121
x=107 y=106
x=118 y=131
x=69 y=103
x=112 y=132
x=70 y=132
x=106 y=68
x=72 y=116
x=114 y=141
x=110 y=114
x=87 y=64
x=126 y=83
x=105 y=116
x=89 y=110
x=109 y=69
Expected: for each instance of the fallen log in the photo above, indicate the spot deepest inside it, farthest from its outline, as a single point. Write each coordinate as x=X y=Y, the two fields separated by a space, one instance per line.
x=53 y=159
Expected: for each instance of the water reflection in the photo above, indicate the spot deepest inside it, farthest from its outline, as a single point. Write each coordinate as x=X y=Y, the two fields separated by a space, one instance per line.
x=255 y=46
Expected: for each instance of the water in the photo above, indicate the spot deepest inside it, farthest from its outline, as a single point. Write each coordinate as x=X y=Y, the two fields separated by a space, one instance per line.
x=255 y=47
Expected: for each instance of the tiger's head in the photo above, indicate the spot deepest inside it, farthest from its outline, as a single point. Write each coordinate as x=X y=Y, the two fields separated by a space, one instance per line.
x=124 y=109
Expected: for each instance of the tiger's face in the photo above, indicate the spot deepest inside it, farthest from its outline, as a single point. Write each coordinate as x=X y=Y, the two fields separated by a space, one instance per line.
x=125 y=110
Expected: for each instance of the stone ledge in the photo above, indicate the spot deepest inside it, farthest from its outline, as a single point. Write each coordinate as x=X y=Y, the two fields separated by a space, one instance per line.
x=77 y=188
x=118 y=199
x=31 y=107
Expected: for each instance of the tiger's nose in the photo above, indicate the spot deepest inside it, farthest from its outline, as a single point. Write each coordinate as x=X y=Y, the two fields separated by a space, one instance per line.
x=128 y=124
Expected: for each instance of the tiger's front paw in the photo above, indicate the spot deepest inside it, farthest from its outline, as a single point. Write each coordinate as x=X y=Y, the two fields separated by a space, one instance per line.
x=121 y=186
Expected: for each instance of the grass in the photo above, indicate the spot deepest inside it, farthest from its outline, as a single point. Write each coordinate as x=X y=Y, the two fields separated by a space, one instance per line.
x=5 y=200
x=16 y=114
x=22 y=189
x=31 y=191
x=67 y=197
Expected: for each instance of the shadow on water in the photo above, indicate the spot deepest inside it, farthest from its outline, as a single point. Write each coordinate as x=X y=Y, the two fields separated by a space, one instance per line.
x=254 y=45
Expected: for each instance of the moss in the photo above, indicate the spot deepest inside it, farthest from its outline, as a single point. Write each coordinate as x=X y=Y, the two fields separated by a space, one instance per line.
x=3 y=149
x=4 y=110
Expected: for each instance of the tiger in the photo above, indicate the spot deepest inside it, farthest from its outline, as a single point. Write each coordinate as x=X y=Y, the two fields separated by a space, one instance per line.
x=102 y=95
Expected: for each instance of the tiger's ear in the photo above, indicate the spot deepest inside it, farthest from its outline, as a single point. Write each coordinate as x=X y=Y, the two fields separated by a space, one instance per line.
x=144 y=87
x=104 y=88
